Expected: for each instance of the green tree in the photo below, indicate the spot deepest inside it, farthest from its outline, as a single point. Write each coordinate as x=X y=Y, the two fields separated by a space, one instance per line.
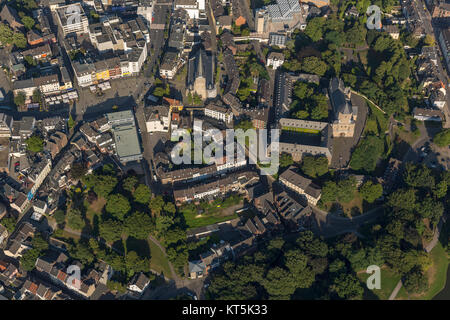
x=116 y=286
x=6 y=34
x=286 y=160
x=403 y=198
x=347 y=286
x=319 y=109
x=129 y=183
x=159 y=92
x=431 y=209
x=279 y=283
x=314 y=29
x=28 y=259
x=301 y=114
x=371 y=191
x=82 y=252
x=102 y=185
x=9 y=223
x=142 y=194
x=28 y=22
x=30 y=61
x=418 y=176
x=37 y=97
x=19 y=98
x=60 y=216
x=442 y=139
x=156 y=205
x=135 y=264
x=314 y=65
x=39 y=243
x=19 y=40
x=111 y=230
x=163 y=223
x=367 y=153
x=75 y=220
x=118 y=206
x=170 y=208
x=429 y=40
x=440 y=189
x=415 y=281
x=138 y=225
x=244 y=125
x=314 y=166
x=35 y=144
x=70 y=122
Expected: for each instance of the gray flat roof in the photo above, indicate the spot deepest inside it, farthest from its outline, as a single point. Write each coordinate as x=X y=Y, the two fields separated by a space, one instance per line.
x=127 y=142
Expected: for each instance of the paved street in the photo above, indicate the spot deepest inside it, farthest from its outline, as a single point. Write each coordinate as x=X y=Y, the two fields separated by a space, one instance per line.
x=330 y=225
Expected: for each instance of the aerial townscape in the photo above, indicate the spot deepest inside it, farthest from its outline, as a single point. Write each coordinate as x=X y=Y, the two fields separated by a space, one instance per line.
x=99 y=99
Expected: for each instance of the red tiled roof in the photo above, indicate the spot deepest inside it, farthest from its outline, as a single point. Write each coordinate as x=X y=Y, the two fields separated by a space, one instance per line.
x=62 y=276
x=33 y=288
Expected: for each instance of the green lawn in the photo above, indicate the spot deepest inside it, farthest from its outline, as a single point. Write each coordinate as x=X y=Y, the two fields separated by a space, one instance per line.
x=94 y=209
x=388 y=282
x=437 y=275
x=158 y=261
x=305 y=130
x=195 y=221
x=381 y=119
x=205 y=213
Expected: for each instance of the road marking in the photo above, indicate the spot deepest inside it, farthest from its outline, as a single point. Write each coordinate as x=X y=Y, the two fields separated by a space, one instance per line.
x=157 y=26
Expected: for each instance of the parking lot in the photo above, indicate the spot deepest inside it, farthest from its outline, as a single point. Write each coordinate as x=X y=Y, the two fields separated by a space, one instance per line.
x=120 y=94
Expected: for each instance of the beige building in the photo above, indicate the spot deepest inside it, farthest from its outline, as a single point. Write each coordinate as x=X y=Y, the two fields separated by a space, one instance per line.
x=344 y=112
x=301 y=185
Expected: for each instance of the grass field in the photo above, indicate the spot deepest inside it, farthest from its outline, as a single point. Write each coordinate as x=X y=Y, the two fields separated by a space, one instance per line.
x=205 y=213
x=388 y=282
x=437 y=276
x=304 y=130
x=194 y=221
x=377 y=116
x=158 y=261
x=94 y=209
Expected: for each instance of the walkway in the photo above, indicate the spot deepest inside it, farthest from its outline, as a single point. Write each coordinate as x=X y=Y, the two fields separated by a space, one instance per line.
x=360 y=94
x=172 y=270
x=396 y=290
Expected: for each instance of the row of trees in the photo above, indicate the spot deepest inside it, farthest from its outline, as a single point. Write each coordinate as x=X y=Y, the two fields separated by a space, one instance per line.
x=309 y=102
x=303 y=268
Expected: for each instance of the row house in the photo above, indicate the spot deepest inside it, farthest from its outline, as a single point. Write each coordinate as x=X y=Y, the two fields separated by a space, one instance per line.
x=56 y=267
x=295 y=215
x=138 y=283
x=113 y=68
x=35 y=38
x=39 y=53
x=18 y=241
x=38 y=173
x=20 y=203
x=211 y=259
x=38 y=290
x=55 y=143
x=8 y=272
x=301 y=185
x=234 y=182
x=48 y=84
x=6 y=125
x=157 y=119
x=222 y=113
